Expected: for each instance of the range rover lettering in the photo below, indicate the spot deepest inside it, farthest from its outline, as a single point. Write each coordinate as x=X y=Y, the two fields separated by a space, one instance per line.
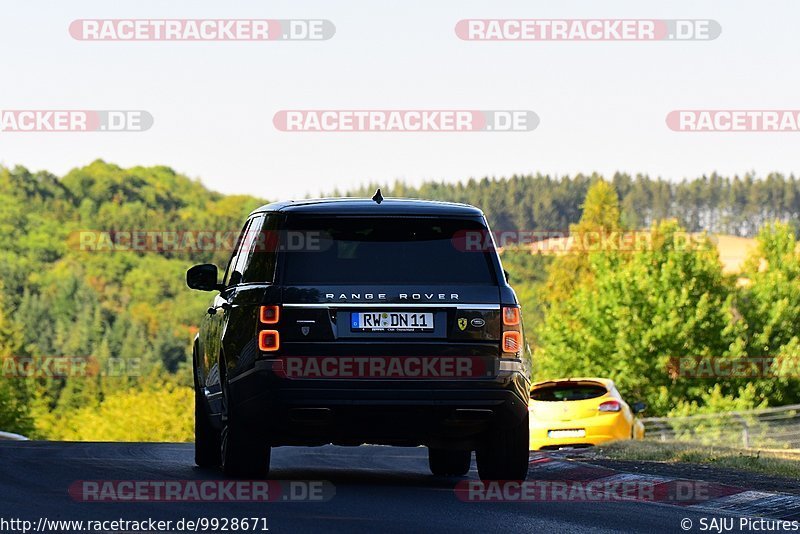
x=352 y=321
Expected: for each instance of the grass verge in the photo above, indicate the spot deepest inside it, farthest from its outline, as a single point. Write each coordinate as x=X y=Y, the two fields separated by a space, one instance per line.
x=765 y=461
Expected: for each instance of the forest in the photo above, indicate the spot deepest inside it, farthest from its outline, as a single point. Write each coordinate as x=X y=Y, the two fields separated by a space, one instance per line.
x=95 y=341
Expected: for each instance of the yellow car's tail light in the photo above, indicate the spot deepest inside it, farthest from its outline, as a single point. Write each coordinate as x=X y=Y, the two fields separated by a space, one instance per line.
x=269 y=340
x=610 y=406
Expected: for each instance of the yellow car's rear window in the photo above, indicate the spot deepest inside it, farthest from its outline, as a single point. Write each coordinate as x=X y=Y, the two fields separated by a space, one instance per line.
x=568 y=392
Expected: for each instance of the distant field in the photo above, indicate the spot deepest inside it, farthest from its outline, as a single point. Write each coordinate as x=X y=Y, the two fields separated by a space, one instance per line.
x=733 y=251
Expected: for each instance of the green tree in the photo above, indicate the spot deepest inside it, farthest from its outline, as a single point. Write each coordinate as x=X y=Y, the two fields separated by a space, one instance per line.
x=770 y=303
x=600 y=220
x=15 y=415
x=637 y=312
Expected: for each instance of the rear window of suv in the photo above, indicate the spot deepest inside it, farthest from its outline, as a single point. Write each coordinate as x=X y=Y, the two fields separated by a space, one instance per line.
x=383 y=250
x=568 y=392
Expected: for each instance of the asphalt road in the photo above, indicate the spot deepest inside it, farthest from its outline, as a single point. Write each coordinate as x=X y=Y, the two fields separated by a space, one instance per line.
x=377 y=489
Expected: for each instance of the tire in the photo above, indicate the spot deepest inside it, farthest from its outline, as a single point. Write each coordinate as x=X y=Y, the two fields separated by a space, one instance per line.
x=243 y=455
x=449 y=463
x=504 y=453
x=244 y=452
x=206 y=438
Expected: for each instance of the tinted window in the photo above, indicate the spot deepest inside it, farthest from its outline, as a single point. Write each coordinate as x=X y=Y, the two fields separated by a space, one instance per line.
x=261 y=258
x=568 y=392
x=385 y=250
x=232 y=276
x=247 y=243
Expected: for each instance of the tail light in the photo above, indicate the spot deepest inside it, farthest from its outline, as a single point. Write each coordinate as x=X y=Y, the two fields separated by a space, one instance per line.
x=511 y=342
x=609 y=406
x=511 y=316
x=269 y=340
x=269 y=314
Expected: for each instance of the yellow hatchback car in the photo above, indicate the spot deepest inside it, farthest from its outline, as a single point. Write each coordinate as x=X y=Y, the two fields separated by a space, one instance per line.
x=580 y=412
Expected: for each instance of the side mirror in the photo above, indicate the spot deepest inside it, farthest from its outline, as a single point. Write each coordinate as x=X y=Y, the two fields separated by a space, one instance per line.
x=203 y=277
x=638 y=407
x=508 y=276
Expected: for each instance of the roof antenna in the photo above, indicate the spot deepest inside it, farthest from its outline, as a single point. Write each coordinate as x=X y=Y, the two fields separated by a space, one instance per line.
x=378 y=198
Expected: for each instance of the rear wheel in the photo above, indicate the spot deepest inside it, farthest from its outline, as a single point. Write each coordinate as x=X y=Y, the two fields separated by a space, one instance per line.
x=243 y=455
x=504 y=453
x=206 y=437
x=244 y=452
x=445 y=462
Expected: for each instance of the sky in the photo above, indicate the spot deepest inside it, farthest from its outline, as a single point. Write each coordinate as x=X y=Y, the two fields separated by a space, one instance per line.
x=602 y=105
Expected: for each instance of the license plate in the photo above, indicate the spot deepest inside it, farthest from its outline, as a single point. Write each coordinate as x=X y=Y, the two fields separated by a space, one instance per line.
x=391 y=322
x=571 y=433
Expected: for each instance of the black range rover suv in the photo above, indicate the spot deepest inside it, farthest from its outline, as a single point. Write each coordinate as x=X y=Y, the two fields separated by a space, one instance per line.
x=351 y=321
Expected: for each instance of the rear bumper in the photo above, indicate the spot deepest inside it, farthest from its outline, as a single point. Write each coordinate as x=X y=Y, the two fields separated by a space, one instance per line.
x=597 y=432
x=439 y=413
x=610 y=428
